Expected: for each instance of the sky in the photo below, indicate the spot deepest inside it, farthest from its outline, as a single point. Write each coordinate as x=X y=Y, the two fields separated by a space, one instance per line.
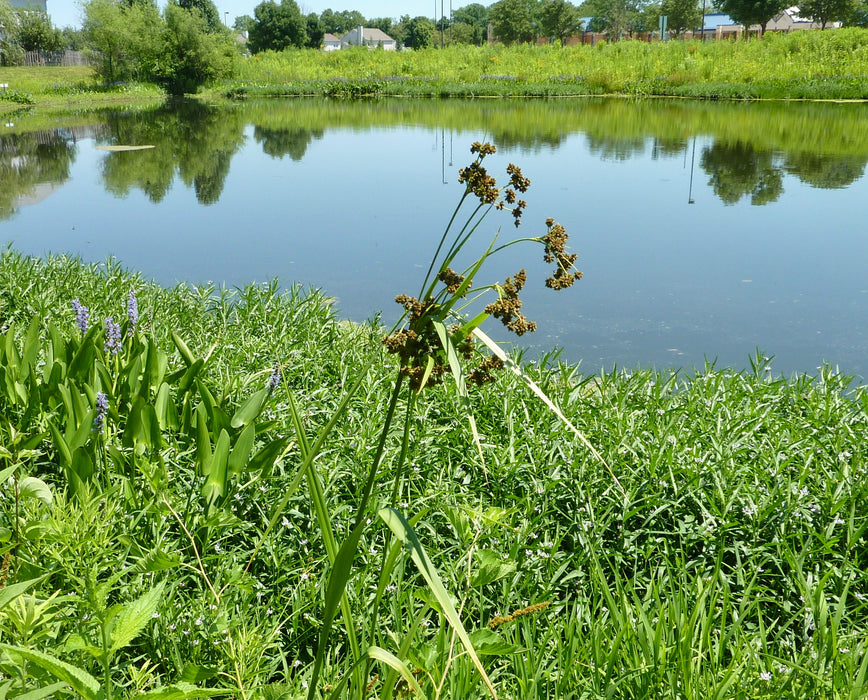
x=65 y=13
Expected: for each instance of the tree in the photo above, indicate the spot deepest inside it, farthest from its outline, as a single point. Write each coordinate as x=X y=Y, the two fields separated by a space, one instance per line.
x=277 y=27
x=191 y=55
x=384 y=24
x=514 y=21
x=475 y=16
x=826 y=11
x=419 y=33
x=750 y=12
x=207 y=9
x=339 y=23
x=73 y=39
x=122 y=38
x=243 y=23
x=10 y=50
x=737 y=170
x=35 y=32
x=682 y=14
x=559 y=19
x=315 y=32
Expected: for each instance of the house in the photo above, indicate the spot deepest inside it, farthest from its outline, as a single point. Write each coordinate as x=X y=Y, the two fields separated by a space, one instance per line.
x=330 y=42
x=789 y=20
x=370 y=37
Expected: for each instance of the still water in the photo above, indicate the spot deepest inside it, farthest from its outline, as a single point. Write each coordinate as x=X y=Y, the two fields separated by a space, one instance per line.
x=705 y=232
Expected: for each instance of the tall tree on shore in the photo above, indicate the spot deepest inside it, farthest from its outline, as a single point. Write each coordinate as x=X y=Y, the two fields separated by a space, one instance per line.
x=826 y=11
x=514 y=21
x=277 y=27
x=682 y=14
x=559 y=19
x=750 y=12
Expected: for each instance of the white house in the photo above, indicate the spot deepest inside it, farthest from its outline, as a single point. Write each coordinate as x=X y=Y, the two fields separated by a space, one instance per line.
x=789 y=20
x=330 y=42
x=370 y=37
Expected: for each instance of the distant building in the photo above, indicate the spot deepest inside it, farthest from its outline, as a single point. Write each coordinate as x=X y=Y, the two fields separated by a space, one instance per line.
x=370 y=37
x=789 y=20
x=330 y=42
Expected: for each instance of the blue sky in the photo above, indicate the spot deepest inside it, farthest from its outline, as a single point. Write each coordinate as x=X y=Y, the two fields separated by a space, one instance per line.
x=68 y=12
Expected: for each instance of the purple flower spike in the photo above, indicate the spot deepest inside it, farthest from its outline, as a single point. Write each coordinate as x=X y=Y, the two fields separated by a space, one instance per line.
x=101 y=410
x=81 y=315
x=274 y=379
x=112 y=336
x=133 y=310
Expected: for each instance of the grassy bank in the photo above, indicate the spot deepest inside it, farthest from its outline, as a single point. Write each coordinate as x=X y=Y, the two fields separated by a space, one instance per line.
x=724 y=555
x=800 y=65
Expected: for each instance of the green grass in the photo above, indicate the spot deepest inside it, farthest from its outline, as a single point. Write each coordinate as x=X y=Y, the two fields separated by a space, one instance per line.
x=800 y=65
x=730 y=561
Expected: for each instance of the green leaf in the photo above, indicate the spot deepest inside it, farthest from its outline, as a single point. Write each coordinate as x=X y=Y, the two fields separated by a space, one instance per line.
x=241 y=450
x=263 y=461
x=183 y=349
x=491 y=568
x=40 y=693
x=60 y=444
x=404 y=532
x=250 y=409
x=31 y=487
x=196 y=674
x=214 y=487
x=134 y=616
x=181 y=691
x=82 y=683
x=12 y=591
x=489 y=643
x=203 y=442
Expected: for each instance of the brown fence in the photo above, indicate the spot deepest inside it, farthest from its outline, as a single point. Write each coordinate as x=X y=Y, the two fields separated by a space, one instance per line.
x=55 y=58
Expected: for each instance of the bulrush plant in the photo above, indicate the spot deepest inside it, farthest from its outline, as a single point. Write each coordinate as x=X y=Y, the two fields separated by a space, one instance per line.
x=433 y=338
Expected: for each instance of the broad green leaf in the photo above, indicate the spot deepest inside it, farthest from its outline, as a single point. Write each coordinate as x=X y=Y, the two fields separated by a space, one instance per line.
x=60 y=444
x=196 y=674
x=379 y=654
x=492 y=567
x=489 y=643
x=13 y=590
x=203 y=442
x=157 y=560
x=31 y=487
x=133 y=618
x=39 y=693
x=264 y=460
x=82 y=683
x=214 y=487
x=250 y=409
x=404 y=532
x=181 y=691
x=241 y=450
x=183 y=349
x=188 y=377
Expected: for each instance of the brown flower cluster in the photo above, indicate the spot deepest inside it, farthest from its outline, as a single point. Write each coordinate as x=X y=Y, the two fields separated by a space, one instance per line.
x=555 y=251
x=529 y=610
x=517 y=181
x=479 y=182
x=451 y=279
x=508 y=306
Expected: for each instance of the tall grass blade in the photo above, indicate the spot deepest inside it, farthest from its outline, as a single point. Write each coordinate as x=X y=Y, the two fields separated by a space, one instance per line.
x=404 y=532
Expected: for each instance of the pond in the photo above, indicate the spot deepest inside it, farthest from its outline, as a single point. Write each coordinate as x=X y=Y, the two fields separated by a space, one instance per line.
x=706 y=232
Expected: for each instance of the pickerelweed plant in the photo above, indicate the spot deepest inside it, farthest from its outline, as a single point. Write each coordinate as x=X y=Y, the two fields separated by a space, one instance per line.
x=432 y=339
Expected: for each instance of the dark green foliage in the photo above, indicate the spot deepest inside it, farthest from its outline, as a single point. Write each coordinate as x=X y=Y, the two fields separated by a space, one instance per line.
x=277 y=27
x=339 y=23
x=207 y=10
x=190 y=55
x=514 y=21
x=419 y=33
x=36 y=33
x=682 y=14
x=559 y=19
x=750 y=12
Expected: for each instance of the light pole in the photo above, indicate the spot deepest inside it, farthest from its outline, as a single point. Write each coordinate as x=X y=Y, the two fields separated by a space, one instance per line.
x=226 y=18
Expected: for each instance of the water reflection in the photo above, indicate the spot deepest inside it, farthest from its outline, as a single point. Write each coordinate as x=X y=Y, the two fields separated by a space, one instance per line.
x=823 y=145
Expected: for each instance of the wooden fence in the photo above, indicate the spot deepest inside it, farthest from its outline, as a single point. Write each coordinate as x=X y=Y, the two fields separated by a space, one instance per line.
x=55 y=58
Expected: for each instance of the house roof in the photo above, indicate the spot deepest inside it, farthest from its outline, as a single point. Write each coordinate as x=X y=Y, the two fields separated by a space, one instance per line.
x=330 y=37
x=713 y=20
x=371 y=35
